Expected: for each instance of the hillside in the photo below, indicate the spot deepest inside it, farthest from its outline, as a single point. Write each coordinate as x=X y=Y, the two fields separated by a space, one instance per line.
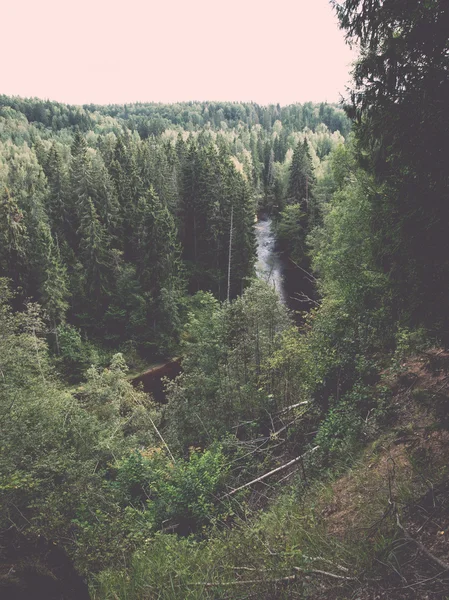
x=376 y=527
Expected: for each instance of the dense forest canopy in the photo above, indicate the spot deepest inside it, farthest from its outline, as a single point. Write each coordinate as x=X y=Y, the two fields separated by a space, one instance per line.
x=153 y=118
x=113 y=213
x=128 y=234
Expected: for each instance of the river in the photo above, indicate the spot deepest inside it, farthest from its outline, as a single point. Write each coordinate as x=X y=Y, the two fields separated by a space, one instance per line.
x=270 y=267
x=295 y=287
x=269 y=264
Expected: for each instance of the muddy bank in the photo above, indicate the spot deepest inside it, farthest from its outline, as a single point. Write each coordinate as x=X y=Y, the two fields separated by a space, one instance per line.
x=152 y=380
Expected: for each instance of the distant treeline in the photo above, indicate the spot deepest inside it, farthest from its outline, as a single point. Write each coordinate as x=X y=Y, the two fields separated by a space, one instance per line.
x=151 y=118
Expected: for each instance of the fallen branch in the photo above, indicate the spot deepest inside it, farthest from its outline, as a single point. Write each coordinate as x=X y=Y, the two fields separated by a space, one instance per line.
x=162 y=439
x=287 y=579
x=424 y=550
x=312 y=278
x=276 y=433
x=292 y=407
x=329 y=562
x=326 y=574
x=287 y=476
x=440 y=388
x=304 y=298
x=277 y=470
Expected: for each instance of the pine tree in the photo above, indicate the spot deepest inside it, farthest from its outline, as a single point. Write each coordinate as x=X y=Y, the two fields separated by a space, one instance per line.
x=188 y=207
x=301 y=175
x=94 y=255
x=128 y=185
x=159 y=264
x=53 y=279
x=13 y=239
x=399 y=103
x=156 y=244
x=213 y=225
x=297 y=182
x=41 y=153
x=180 y=148
x=105 y=199
x=80 y=184
x=243 y=237
x=58 y=209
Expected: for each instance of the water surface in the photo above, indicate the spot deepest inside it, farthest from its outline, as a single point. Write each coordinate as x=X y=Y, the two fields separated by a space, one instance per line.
x=269 y=264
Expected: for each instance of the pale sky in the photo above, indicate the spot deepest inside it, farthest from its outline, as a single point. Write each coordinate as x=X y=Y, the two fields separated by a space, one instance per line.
x=104 y=51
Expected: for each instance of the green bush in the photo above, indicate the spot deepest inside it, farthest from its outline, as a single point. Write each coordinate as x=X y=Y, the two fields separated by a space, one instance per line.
x=182 y=493
x=409 y=342
x=341 y=431
x=74 y=355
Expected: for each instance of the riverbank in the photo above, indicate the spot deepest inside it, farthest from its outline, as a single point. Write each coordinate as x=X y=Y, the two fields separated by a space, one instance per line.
x=153 y=378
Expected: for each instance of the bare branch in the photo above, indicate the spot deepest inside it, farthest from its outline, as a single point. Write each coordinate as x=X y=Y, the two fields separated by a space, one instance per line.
x=312 y=278
x=287 y=579
x=292 y=407
x=329 y=562
x=163 y=441
x=326 y=574
x=304 y=298
x=277 y=470
x=424 y=550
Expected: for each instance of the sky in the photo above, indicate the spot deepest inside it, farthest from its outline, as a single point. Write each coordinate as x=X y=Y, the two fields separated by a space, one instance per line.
x=104 y=51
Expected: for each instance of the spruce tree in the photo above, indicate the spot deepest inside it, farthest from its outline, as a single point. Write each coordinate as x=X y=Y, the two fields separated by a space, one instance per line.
x=58 y=209
x=80 y=185
x=297 y=180
x=105 y=200
x=159 y=264
x=94 y=256
x=188 y=206
x=13 y=240
x=128 y=185
x=53 y=279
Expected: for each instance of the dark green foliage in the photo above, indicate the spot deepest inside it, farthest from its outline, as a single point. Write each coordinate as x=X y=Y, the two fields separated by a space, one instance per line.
x=226 y=349
x=399 y=100
x=297 y=214
x=53 y=278
x=50 y=445
x=58 y=205
x=13 y=238
x=301 y=176
x=105 y=228
x=181 y=493
x=290 y=232
x=73 y=355
x=212 y=191
x=110 y=218
x=94 y=256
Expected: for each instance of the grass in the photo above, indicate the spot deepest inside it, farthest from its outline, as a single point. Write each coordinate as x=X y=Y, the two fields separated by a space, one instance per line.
x=344 y=528
x=290 y=539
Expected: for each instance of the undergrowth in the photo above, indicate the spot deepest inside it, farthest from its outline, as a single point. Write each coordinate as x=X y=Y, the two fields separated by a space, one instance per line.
x=320 y=538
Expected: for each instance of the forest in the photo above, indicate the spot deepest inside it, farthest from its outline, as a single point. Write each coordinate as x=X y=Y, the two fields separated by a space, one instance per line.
x=302 y=451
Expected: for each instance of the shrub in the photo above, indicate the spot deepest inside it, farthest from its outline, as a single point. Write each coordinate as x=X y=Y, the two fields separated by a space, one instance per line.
x=181 y=493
